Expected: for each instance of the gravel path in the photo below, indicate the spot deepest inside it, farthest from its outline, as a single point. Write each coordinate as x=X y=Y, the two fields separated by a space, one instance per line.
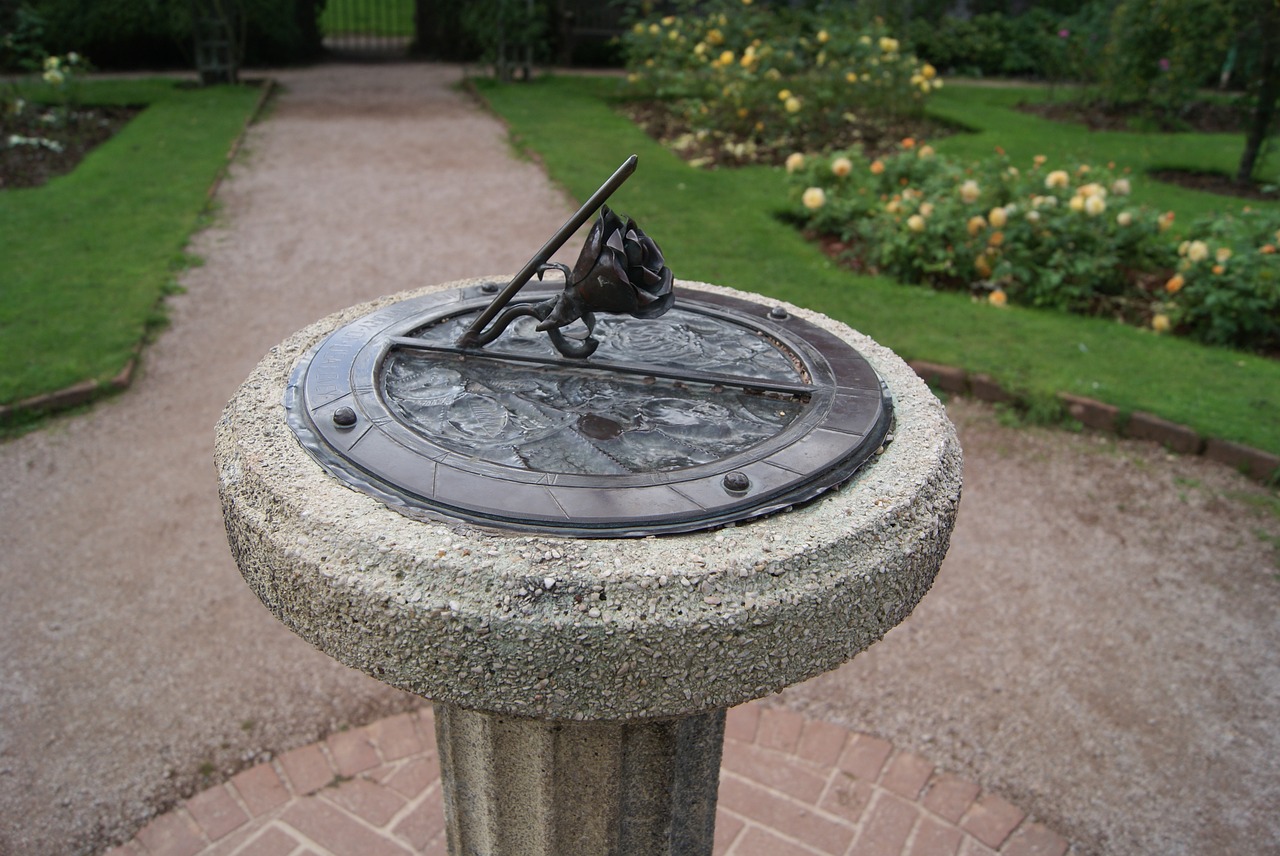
x=1100 y=645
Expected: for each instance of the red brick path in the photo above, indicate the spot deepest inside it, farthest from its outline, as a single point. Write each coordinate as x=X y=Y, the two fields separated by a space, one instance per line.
x=788 y=785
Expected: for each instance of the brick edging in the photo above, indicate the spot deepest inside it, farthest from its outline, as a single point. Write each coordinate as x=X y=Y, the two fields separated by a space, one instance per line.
x=1139 y=425
x=88 y=391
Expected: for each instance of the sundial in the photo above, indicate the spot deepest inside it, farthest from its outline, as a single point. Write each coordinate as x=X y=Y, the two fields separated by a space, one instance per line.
x=602 y=401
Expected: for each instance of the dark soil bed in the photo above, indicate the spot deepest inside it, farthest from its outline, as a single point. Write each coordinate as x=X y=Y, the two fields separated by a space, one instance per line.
x=40 y=143
x=1202 y=117
x=1216 y=182
x=876 y=136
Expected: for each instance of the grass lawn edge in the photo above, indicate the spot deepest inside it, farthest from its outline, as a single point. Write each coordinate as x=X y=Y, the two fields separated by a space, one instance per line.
x=28 y=413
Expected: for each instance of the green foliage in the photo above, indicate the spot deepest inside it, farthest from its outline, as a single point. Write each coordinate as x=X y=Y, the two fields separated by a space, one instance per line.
x=507 y=31
x=753 y=75
x=21 y=38
x=1028 y=233
x=1227 y=289
x=157 y=33
x=1161 y=51
x=1039 y=43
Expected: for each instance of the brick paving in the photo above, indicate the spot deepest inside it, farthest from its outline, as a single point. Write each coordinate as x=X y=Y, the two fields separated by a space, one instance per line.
x=789 y=786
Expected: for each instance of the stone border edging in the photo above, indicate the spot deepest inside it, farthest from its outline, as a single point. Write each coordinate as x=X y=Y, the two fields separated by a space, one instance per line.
x=1257 y=464
x=788 y=784
x=90 y=390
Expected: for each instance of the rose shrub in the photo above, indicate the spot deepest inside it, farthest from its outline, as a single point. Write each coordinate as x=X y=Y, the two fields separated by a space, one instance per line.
x=751 y=77
x=1227 y=287
x=1067 y=237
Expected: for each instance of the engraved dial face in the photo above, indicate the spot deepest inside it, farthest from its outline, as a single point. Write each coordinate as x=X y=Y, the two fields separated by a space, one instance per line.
x=720 y=410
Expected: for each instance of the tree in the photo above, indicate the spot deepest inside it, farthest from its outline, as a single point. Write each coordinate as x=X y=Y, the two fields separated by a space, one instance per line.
x=1264 y=19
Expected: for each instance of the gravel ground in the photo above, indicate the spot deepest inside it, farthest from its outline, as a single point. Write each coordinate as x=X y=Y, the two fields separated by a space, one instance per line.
x=1099 y=647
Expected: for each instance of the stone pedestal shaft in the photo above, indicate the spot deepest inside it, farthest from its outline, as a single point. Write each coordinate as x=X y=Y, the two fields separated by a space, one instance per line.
x=539 y=788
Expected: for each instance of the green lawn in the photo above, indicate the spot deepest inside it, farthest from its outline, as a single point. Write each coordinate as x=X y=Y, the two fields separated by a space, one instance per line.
x=362 y=17
x=721 y=227
x=88 y=256
x=989 y=112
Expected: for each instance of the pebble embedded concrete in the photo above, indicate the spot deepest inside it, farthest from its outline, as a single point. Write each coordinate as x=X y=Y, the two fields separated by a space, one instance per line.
x=598 y=630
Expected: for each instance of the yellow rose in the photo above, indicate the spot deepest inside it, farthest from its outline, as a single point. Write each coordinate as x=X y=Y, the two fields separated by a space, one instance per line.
x=888 y=45
x=823 y=36
x=998 y=218
x=915 y=223
x=792 y=105
x=814 y=198
x=841 y=167
x=925 y=151
x=1095 y=205
x=998 y=297
x=715 y=37
x=1160 y=323
x=976 y=224
x=726 y=58
x=1124 y=218
x=929 y=72
x=1076 y=203
x=1057 y=178
x=926 y=209
x=969 y=191
x=1197 y=251
x=795 y=161
x=1222 y=254
x=1120 y=187
x=784 y=94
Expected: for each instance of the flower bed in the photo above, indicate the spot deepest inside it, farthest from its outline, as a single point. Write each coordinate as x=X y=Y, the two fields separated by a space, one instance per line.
x=39 y=141
x=1068 y=237
x=735 y=83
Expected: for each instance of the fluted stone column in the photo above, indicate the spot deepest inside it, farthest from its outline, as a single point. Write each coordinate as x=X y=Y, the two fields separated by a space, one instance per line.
x=540 y=788
x=580 y=684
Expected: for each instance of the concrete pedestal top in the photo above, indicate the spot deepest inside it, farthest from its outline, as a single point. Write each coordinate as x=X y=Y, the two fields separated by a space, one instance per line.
x=597 y=630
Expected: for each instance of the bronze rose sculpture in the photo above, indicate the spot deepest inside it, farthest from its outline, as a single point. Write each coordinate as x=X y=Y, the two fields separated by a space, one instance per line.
x=620 y=270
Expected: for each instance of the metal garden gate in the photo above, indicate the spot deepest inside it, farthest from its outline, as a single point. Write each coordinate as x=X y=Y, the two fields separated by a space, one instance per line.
x=368 y=29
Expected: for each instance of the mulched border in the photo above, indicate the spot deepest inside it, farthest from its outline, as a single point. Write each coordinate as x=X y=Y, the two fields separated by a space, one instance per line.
x=88 y=391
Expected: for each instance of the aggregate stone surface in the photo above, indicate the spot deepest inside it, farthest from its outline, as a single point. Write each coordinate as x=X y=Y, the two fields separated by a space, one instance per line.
x=1099 y=646
x=597 y=629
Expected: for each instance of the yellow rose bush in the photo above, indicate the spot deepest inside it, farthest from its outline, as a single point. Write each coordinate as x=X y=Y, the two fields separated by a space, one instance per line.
x=1227 y=287
x=1046 y=235
x=1065 y=236
x=754 y=79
